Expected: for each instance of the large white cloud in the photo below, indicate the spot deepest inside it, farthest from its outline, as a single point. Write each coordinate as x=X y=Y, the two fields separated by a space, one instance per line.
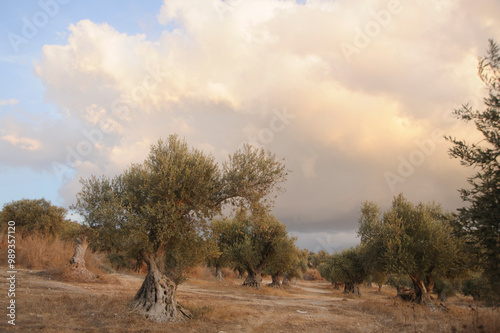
x=348 y=92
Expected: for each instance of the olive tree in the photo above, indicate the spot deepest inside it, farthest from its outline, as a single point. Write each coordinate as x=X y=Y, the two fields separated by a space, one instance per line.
x=156 y=208
x=314 y=260
x=414 y=240
x=34 y=216
x=224 y=234
x=284 y=262
x=262 y=238
x=480 y=219
x=347 y=267
x=298 y=268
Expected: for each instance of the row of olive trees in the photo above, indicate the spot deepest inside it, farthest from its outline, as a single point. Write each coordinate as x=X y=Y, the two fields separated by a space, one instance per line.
x=417 y=241
x=423 y=242
x=415 y=248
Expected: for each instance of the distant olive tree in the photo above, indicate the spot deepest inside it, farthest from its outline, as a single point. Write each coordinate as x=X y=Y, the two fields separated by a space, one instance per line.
x=286 y=263
x=347 y=267
x=298 y=268
x=224 y=234
x=314 y=260
x=262 y=240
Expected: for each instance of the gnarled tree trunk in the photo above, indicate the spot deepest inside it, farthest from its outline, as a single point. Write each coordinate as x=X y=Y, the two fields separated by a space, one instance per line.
x=421 y=295
x=254 y=279
x=276 y=283
x=77 y=262
x=156 y=298
x=78 y=259
x=351 y=288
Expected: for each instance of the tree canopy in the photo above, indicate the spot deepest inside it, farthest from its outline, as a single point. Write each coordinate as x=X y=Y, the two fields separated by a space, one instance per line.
x=261 y=237
x=480 y=218
x=35 y=216
x=287 y=262
x=347 y=267
x=414 y=240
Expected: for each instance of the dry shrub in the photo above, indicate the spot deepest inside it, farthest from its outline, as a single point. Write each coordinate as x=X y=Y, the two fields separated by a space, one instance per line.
x=208 y=273
x=312 y=274
x=202 y=272
x=40 y=252
x=228 y=274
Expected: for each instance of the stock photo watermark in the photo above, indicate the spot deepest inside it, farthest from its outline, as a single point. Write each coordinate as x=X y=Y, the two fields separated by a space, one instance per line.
x=120 y=108
x=363 y=36
x=407 y=165
x=11 y=279
x=31 y=25
x=277 y=124
x=426 y=147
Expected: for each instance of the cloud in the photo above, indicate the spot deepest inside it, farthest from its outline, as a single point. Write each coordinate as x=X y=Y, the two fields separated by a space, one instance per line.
x=22 y=142
x=11 y=101
x=221 y=73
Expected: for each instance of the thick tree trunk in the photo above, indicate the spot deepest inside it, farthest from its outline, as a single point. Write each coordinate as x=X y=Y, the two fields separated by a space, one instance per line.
x=379 y=288
x=77 y=262
x=351 y=288
x=156 y=298
x=254 y=279
x=218 y=273
x=276 y=283
x=78 y=259
x=421 y=295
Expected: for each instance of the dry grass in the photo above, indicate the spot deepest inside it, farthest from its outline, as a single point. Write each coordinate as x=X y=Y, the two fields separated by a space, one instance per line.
x=37 y=252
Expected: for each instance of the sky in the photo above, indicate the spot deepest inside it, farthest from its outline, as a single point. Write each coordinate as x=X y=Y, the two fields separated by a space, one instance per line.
x=355 y=96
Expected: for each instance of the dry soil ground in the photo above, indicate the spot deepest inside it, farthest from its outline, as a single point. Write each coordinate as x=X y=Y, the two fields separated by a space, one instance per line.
x=47 y=305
